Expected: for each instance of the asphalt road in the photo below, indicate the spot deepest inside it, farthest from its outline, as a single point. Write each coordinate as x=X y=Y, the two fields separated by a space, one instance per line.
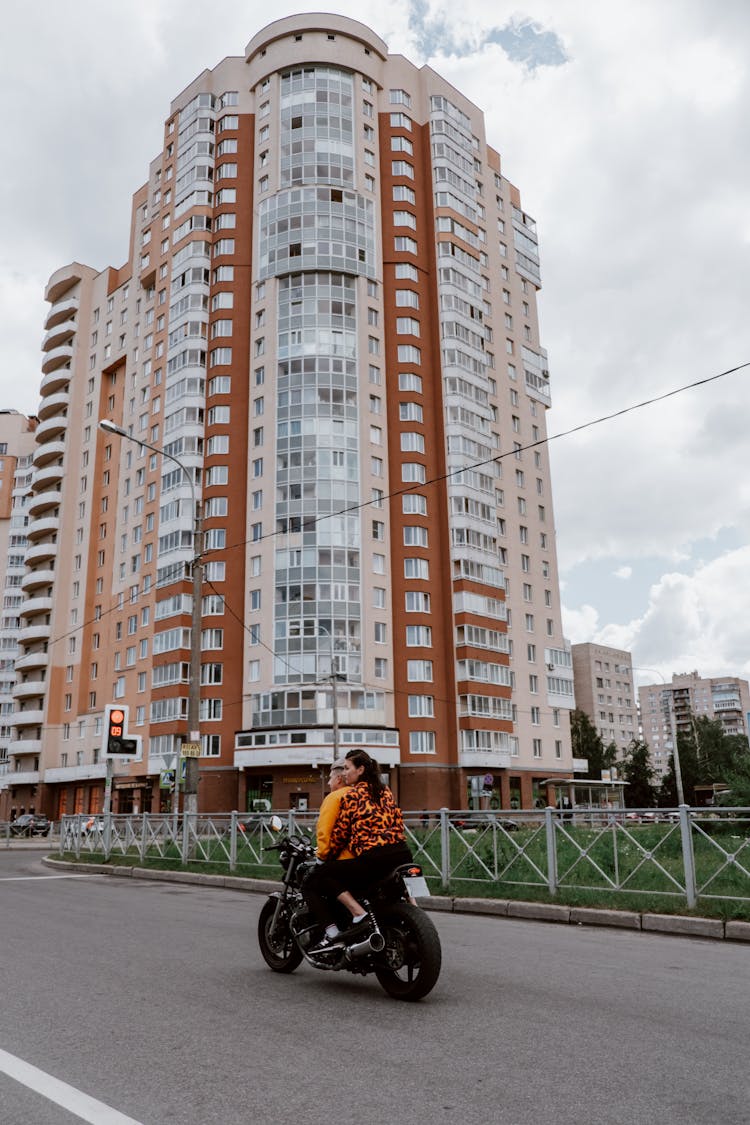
x=153 y=999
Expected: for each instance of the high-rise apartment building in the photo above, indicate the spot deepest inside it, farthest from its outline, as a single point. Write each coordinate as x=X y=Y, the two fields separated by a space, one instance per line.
x=328 y=318
x=604 y=690
x=690 y=696
x=19 y=774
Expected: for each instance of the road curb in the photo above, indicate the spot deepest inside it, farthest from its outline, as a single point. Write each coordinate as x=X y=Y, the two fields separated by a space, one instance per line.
x=672 y=925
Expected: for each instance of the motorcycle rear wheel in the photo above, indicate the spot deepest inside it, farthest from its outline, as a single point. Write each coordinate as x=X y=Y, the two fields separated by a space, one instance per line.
x=412 y=956
x=279 y=948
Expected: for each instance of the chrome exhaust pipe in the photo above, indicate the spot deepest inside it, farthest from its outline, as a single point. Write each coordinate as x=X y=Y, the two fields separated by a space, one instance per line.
x=373 y=943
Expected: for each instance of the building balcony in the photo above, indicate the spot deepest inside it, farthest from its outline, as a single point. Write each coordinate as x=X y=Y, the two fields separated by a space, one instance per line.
x=55 y=381
x=484 y=759
x=38 y=529
x=40 y=552
x=53 y=403
x=29 y=688
x=36 y=578
x=25 y=746
x=47 y=477
x=32 y=660
x=24 y=719
x=62 y=281
x=51 y=428
x=34 y=633
x=21 y=777
x=59 y=774
x=40 y=501
x=63 y=309
x=57 y=358
x=49 y=451
x=33 y=606
x=538 y=387
x=58 y=334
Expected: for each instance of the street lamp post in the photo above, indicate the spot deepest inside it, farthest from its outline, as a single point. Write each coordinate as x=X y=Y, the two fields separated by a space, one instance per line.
x=194 y=683
x=334 y=678
x=673 y=731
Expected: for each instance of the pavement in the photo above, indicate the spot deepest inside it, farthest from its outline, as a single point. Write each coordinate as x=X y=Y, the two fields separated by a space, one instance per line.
x=680 y=925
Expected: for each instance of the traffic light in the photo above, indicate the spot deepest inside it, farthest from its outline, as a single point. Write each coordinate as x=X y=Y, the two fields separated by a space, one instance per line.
x=116 y=742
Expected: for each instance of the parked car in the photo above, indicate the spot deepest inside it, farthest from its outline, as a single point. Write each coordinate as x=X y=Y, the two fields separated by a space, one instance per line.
x=30 y=824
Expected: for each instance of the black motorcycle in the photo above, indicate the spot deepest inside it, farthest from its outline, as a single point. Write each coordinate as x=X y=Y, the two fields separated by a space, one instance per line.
x=402 y=949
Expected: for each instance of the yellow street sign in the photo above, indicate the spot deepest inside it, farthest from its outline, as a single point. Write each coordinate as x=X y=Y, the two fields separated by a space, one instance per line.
x=190 y=750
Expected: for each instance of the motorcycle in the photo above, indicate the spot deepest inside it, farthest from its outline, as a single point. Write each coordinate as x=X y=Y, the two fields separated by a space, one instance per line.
x=402 y=949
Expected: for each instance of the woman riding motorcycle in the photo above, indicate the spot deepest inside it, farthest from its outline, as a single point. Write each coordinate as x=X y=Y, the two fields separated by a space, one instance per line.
x=370 y=825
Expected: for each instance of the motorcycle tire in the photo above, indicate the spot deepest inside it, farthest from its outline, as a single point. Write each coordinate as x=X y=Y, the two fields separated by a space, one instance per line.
x=410 y=962
x=279 y=949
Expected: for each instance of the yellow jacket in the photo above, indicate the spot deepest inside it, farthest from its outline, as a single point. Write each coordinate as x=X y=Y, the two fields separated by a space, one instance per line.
x=327 y=816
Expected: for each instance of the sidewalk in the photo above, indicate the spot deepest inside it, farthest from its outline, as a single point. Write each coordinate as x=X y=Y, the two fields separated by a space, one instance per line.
x=675 y=924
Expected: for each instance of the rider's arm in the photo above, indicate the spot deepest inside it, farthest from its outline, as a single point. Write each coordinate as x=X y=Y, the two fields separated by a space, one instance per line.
x=326 y=820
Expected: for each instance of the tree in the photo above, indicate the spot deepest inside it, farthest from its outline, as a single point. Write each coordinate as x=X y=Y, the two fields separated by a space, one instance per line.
x=587 y=743
x=707 y=755
x=637 y=772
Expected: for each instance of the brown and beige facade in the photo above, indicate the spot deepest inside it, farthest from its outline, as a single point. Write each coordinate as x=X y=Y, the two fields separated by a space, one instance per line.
x=724 y=699
x=328 y=316
x=604 y=690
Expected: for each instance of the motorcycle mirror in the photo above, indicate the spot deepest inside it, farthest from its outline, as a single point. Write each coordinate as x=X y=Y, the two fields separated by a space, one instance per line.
x=275 y=824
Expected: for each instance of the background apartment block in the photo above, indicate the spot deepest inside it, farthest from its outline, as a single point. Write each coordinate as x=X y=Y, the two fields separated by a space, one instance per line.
x=328 y=315
x=604 y=690
x=19 y=772
x=722 y=698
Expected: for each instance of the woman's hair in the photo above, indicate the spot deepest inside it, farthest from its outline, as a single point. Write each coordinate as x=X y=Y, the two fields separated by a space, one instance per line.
x=371 y=772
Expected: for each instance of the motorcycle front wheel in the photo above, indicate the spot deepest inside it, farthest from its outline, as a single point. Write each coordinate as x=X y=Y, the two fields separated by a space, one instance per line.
x=278 y=947
x=410 y=962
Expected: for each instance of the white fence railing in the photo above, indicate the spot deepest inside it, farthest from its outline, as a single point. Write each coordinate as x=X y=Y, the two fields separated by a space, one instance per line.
x=686 y=853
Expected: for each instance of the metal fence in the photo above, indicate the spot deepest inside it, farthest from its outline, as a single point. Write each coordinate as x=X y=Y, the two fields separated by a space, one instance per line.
x=686 y=854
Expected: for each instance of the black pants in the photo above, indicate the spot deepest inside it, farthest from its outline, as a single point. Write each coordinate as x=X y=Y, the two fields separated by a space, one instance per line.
x=331 y=878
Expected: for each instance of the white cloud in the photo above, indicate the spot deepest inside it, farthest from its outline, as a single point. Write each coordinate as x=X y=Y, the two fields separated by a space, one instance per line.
x=692 y=621
x=624 y=572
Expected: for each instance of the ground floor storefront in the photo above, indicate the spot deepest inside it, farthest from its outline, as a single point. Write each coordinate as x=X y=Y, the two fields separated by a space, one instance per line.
x=299 y=787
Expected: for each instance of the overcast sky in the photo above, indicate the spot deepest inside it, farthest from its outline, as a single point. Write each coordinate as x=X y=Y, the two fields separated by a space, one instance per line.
x=625 y=126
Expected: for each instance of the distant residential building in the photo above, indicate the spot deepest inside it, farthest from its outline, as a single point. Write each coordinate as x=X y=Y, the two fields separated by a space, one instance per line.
x=19 y=772
x=603 y=680
x=722 y=698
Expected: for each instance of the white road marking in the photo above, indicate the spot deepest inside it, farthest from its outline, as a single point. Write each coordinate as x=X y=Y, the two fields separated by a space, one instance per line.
x=83 y=1106
x=36 y=878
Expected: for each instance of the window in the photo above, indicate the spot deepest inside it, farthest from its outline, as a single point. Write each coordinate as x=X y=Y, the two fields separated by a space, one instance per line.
x=421 y=705
x=415 y=536
x=413 y=503
x=409 y=381
x=405 y=245
x=407 y=298
x=404 y=219
x=407 y=353
x=418 y=636
x=407 y=326
x=417 y=568
x=412 y=442
x=421 y=742
x=405 y=271
x=413 y=472
x=419 y=671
